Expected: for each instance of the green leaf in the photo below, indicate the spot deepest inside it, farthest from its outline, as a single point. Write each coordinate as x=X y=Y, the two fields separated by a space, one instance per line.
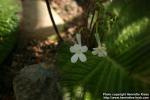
x=126 y=68
x=99 y=75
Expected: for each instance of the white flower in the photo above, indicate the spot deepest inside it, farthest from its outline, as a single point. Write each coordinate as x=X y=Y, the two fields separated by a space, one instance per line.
x=79 y=50
x=101 y=49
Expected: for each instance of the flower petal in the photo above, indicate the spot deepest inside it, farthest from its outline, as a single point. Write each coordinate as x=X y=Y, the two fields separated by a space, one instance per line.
x=74 y=58
x=94 y=53
x=74 y=49
x=77 y=46
x=78 y=37
x=84 y=48
x=100 y=54
x=105 y=53
x=82 y=57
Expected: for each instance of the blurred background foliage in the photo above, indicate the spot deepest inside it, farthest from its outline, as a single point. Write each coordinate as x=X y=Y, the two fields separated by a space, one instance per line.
x=8 y=26
x=132 y=22
x=127 y=67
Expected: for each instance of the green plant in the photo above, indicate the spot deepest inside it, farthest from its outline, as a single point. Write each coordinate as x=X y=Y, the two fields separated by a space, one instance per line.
x=8 y=26
x=126 y=69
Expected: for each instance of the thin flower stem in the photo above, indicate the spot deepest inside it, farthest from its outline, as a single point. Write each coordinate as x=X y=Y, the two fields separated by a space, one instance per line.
x=98 y=39
x=92 y=20
x=78 y=37
x=92 y=30
x=52 y=19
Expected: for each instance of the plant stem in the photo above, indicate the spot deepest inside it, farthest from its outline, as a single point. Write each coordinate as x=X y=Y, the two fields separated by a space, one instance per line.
x=92 y=30
x=52 y=19
x=92 y=19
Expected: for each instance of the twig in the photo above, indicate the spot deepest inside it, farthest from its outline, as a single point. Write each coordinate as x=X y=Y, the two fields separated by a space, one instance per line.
x=52 y=19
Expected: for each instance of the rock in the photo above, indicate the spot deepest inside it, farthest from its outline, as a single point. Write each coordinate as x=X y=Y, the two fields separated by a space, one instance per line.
x=37 y=82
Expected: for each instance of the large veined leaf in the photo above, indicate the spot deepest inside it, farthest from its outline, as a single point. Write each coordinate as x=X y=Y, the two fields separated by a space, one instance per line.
x=126 y=68
x=128 y=72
